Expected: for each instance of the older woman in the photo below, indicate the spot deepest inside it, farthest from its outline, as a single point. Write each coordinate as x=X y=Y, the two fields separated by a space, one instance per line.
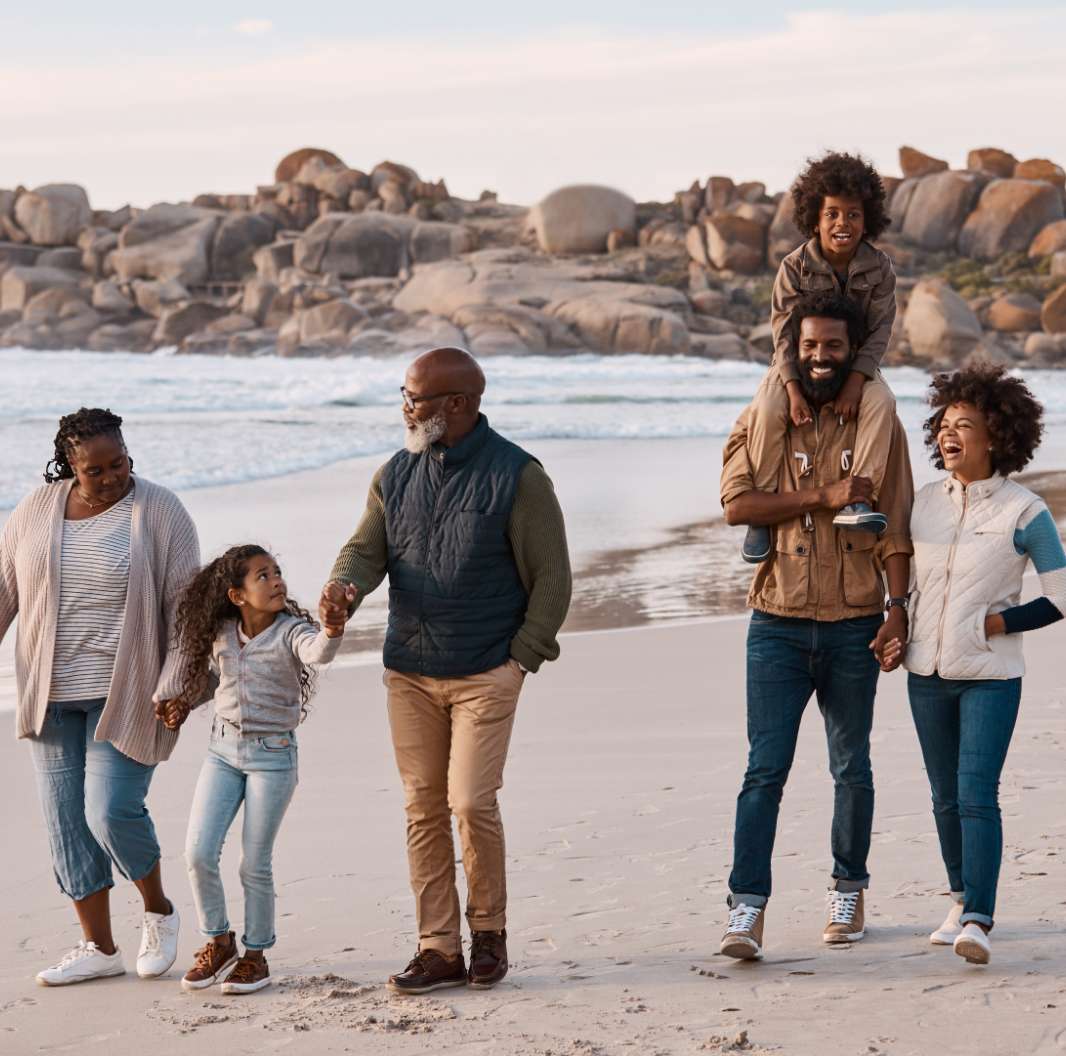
x=92 y=563
x=974 y=533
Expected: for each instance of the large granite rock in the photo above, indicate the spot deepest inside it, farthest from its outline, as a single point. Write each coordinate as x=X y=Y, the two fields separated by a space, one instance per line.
x=20 y=284
x=1041 y=169
x=179 y=321
x=578 y=219
x=53 y=215
x=235 y=242
x=784 y=236
x=354 y=247
x=992 y=161
x=1014 y=313
x=14 y=254
x=1053 y=312
x=291 y=164
x=941 y=327
x=735 y=243
x=1050 y=239
x=913 y=162
x=938 y=208
x=168 y=242
x=1009 y=213
x=596 y=312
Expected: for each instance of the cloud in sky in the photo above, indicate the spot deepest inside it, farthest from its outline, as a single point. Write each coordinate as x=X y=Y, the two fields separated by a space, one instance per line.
x=254 y=27
x=522 y=114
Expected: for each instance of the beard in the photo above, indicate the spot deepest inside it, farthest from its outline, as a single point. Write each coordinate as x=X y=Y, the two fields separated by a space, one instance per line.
x=425 y=434
x=820 y=391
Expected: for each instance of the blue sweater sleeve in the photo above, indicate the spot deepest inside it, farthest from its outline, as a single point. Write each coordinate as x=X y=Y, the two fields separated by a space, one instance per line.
x=1039 y=539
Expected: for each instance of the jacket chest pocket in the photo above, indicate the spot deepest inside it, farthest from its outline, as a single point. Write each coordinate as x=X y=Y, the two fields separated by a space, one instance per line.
x=862 y=582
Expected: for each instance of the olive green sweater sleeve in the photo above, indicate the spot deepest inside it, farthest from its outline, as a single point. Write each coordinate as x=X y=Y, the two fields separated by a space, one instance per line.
x=538 y=542
x=363 y=560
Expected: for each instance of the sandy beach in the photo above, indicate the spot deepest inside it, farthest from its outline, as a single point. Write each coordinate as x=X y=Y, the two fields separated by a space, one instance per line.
x=619 y=798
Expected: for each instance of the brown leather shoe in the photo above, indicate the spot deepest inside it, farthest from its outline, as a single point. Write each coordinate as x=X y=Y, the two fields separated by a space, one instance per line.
x=248 y=975
x=211 y=964
x=429 y=970
x=488 y=959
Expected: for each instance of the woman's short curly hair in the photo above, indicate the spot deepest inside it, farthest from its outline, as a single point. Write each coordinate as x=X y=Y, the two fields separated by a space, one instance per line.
x=840 y=175
x=1014 y=415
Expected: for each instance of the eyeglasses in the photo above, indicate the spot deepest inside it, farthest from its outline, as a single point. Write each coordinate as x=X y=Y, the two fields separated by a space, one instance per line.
x=412 y=402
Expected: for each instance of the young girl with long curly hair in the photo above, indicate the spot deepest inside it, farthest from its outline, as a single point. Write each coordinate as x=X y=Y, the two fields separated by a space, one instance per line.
x=246 y=639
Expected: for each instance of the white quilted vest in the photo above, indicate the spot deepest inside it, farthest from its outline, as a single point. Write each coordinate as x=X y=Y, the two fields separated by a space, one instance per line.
x=965 y=566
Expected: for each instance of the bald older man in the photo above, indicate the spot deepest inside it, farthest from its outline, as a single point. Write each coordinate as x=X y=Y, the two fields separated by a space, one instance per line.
x=467 y=526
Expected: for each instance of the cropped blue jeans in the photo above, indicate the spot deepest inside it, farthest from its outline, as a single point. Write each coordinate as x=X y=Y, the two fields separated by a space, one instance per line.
x=93 y=801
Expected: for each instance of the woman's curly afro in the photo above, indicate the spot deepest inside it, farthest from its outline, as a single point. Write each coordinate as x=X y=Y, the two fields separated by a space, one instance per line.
x=1014 y=415
x=840 y=175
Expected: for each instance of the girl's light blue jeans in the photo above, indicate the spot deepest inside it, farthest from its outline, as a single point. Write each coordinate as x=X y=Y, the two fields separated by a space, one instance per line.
x=93 y=801
x=261 y=773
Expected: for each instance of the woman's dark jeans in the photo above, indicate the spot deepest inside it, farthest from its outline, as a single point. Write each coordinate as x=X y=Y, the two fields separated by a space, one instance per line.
x=964 y=728
x=788 y=661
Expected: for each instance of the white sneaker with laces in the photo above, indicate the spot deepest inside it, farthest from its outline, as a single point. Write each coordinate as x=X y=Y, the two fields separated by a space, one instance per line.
x=973 y=944
x=159 y=943
x=945 y=935
x=86 y=961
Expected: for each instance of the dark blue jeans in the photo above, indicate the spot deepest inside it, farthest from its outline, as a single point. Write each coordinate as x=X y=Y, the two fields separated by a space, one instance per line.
x=964 y=728
x=788 y=661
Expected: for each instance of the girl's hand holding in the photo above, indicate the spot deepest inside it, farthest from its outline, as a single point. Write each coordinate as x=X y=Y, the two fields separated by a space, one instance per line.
x=171 y=713
x=890 y=654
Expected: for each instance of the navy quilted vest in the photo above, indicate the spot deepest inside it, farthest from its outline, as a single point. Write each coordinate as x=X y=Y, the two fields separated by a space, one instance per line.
x=455 y=597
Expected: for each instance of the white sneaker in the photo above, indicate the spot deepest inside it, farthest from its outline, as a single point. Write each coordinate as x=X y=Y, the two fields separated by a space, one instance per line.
x=946 y=933
x=972 y=943
x=86 y=961
x=159 y=943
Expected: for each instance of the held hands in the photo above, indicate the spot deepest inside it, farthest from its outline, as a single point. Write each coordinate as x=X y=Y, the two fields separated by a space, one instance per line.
x=890 y=644
x=171 y=713
x=334 y=605
x=846 y=405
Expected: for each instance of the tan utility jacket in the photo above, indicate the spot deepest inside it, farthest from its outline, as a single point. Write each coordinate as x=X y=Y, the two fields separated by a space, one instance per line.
x=871 y=284
x=817 y=571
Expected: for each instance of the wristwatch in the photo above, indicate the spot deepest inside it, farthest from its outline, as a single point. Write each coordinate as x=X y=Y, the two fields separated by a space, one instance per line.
x=901 y=603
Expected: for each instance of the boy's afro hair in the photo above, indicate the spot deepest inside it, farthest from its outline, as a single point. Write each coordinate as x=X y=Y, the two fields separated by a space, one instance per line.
x=840 y=175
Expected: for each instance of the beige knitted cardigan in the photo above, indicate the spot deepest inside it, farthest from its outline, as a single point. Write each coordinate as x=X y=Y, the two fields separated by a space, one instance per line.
x=164 y=554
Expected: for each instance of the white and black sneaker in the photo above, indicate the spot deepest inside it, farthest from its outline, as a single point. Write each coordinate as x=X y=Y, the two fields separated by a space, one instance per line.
x=86 y=961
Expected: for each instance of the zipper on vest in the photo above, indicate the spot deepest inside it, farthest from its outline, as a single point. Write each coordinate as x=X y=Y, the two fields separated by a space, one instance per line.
x=947 y=581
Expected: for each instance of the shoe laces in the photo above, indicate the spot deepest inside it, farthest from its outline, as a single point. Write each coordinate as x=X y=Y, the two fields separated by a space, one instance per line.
x=151 y=940
x=245 y=970
x=743 y=917
x=82 y=950
x=842 y=906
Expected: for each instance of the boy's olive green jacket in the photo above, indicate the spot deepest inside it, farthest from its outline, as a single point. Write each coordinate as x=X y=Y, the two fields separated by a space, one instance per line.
x=871 y=284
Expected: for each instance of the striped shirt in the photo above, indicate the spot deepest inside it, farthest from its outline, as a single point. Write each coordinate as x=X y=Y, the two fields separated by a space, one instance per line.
x=94 y=576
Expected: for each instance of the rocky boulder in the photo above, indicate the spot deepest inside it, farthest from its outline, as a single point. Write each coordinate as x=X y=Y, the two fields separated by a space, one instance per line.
x=578 y=219
x=913 y=162
x=53 y=215
x=235 y=242
x=14 y=254
x=20 y=284
x=333 y=319
x=1009 y=213
x=179 y=321
x=784 y=236
x=735 y=243
x=1053 y=312
x=938 y=208
x=123 y=337
x=167 y=242
x=1049 y=240
x=940 y=326
x=1014 y=313
x=291 y=164
x=1041 y=169
x=992 y=161
x=431 y=240
x=107 y=297
x=47 y=305
x=353 y=247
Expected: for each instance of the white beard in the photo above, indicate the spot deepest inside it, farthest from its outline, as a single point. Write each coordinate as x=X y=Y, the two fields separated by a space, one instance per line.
x=425 y=434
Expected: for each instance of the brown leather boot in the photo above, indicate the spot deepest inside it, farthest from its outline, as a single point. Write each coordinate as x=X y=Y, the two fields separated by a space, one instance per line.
x=488 y=959
x=429 y=970
x=211 y=964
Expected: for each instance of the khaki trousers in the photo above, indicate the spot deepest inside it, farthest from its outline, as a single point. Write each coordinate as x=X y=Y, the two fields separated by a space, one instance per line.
x=451 y=736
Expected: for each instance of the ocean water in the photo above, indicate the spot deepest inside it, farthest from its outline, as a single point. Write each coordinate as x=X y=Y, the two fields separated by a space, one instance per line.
x=197 y=420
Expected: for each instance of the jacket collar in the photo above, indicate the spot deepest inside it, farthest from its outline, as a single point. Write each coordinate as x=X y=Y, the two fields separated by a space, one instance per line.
x=463 y=451
x=865 y=258
x=978 y=489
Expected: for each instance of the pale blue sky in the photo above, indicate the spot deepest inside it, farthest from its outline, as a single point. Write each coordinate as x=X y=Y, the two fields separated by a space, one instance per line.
x=145 y=102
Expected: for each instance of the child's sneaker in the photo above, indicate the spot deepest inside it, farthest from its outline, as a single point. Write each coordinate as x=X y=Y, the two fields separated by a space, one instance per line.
x=86 y=961
x=211 y=963
x=248 y=975
x=757 y=544
x=945 y=935
x=861 y=515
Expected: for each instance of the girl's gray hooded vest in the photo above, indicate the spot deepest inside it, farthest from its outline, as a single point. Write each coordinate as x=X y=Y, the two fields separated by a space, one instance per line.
x=455 y=596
